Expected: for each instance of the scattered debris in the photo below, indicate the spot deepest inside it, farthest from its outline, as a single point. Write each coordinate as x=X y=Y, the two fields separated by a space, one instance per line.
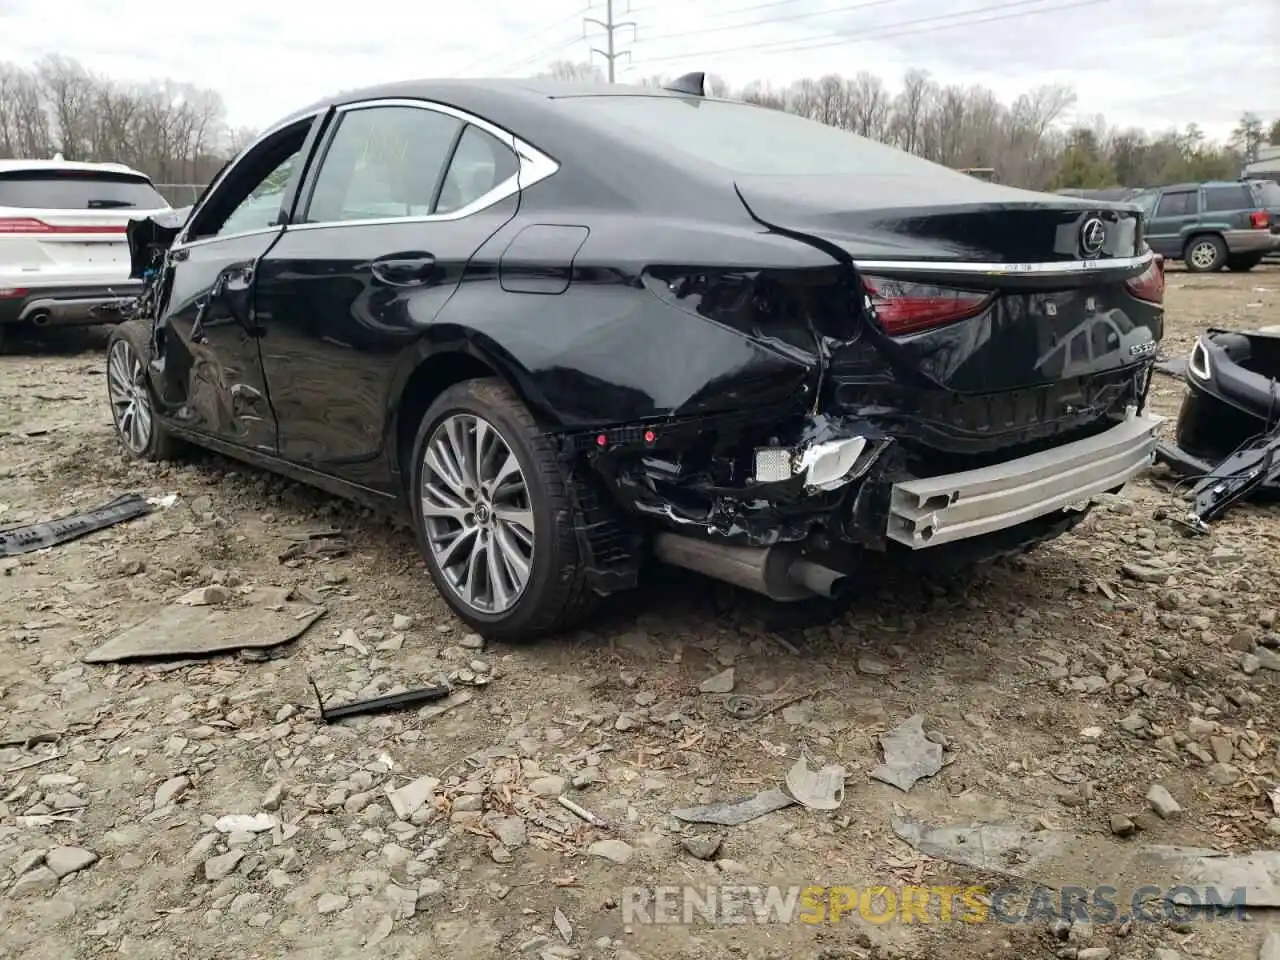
x=720 y=683
x=179 y=630
x=582 y=812
x=384 y=704
x=909 y=755
x=52 y=533
x=616 y=851
x=562 y=925
x=320 y=545
x=816 y=789
x=246 y=823
x=1162 y=802
x=1036 y=854
x=703 y=847
x=734 y=813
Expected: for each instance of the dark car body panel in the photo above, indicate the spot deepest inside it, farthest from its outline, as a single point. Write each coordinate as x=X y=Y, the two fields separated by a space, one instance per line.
x=660 y=318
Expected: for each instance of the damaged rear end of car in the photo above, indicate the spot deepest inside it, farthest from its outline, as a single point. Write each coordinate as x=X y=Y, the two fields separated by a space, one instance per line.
x=965 y=378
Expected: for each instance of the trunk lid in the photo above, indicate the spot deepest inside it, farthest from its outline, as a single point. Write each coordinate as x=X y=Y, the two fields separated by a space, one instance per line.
x=1006 y=317
x=956 y=221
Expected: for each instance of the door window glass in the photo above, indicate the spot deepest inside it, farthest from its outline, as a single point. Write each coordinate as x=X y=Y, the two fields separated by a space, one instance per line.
x=480 y=163
x=261 y=208
x=1234 y=197
x=383 y=162
x=1181 y=204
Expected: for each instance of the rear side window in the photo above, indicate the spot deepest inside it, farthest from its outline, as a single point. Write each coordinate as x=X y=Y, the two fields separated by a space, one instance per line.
x=479 y=164
x=1233 y=197
x=1147 y=201
x=1179 y=204
x=77 y=190
x=383 y=163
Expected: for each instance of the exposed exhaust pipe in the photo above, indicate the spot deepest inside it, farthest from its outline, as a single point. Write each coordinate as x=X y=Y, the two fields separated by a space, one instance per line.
x=776 y=572
x=40 y=318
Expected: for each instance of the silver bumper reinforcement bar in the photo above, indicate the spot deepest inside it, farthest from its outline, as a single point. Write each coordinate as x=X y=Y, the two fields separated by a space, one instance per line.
x=937 y=510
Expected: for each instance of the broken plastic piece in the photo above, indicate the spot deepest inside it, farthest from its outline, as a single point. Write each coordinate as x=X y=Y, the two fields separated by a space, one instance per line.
x=908 y=755
x=734 y=813
x=394 y=701
x=52 y=533
x=773 y=464
x=816 y=789
x=827 y=465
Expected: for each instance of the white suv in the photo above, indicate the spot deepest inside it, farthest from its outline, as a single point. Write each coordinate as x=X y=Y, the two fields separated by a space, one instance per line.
x=64 y=255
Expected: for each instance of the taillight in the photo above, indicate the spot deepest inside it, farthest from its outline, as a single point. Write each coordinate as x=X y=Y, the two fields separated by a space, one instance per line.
x=905 y=307
x=1149 y=285
x=32 y=225
x=11 y=293
x=1259 y=220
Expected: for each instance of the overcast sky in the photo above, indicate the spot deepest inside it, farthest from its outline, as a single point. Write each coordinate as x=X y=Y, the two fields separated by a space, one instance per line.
x=1151 y=63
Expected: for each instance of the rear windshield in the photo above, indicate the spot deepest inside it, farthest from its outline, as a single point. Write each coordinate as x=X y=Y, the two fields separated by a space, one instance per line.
x=747 y=139
x=77 y=190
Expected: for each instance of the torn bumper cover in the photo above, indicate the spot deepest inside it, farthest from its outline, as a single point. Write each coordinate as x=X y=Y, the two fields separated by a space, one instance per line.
x=954 y=506
x=1228 y=432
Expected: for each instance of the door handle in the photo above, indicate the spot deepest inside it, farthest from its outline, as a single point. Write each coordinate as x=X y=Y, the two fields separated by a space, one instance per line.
x=405 y=271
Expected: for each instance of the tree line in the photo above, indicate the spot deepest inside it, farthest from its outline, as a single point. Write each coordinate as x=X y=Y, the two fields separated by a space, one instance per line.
x=173 y=132
x=1023 y=141
x=178 y=133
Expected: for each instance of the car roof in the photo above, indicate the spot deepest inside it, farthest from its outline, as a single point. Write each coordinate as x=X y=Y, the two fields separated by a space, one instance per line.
x=529 y=91
x=13 y=166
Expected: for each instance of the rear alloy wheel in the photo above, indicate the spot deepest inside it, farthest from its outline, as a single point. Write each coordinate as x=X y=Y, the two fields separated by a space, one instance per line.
x=132 y=409
x=1206 y=254
x=494 y=517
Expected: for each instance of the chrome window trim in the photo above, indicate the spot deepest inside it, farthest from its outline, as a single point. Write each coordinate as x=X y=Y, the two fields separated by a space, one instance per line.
x=1057 y=269
x=533 y=167
x=180 y=241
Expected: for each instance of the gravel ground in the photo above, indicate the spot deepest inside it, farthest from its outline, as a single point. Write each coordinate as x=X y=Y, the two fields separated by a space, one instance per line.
x=1060 y=687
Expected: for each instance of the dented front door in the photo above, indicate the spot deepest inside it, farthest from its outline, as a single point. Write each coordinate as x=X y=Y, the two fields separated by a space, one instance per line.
x=208 y=341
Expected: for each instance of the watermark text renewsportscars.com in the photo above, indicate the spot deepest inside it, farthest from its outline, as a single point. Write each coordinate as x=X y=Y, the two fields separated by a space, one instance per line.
x=744 y=904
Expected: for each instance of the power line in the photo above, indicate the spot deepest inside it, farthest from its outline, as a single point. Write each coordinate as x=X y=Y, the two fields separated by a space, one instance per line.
x=539 y=34
x=610 y=26
x=541 y=54
x=791 y=46
x=755 y=23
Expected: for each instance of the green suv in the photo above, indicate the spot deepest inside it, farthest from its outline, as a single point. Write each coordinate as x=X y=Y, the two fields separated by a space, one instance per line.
x=1210 y=225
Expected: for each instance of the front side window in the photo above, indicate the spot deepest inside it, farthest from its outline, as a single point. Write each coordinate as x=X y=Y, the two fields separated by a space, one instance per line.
x=261 y=208
x=383 y=162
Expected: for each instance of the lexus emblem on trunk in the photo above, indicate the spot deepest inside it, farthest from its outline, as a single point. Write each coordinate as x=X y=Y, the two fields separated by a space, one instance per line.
x=1093 y=235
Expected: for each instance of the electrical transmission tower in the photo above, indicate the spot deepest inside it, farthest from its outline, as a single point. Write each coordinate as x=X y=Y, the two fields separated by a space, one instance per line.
x=610 y=26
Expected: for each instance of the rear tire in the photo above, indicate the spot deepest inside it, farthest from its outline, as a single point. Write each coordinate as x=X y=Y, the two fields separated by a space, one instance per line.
x=133 y=406
x=496 y=530
x=1242 y=264
x=1206 y=253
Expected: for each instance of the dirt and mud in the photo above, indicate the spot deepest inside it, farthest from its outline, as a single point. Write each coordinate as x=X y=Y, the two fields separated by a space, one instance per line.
x=200 y=808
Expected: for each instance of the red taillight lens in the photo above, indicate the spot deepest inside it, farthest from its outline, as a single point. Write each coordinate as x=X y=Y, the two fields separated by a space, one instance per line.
x=905 y=307
x=1259 y=220
x=32 y=225
x=11 y=293
x=1149 y=285
x=23 y=225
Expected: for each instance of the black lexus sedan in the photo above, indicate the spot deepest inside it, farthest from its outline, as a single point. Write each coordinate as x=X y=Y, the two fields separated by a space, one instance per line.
x=570 y=328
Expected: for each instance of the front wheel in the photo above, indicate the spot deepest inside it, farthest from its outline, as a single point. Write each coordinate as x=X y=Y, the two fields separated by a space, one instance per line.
x=494 y=516
x=1205 y=254
x=133 y=409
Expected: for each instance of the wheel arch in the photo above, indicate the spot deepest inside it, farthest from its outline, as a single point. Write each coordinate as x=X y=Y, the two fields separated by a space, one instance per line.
x=1200 y=233
x=430 y=366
